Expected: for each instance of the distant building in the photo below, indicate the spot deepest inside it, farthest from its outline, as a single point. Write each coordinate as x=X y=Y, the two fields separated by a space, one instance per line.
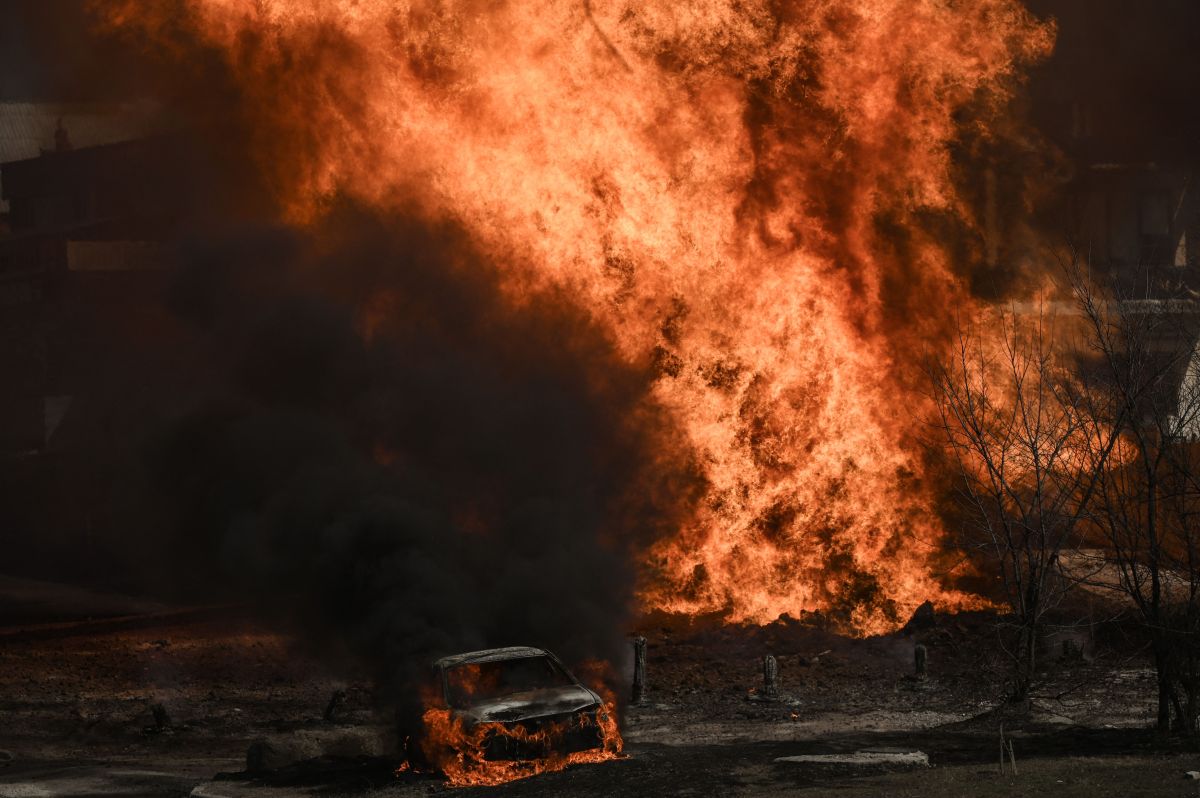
x=84 y=227
x=85 y=331
x=1116 y=99
x=1138 y=222
x=28 y=129
x=121 y=192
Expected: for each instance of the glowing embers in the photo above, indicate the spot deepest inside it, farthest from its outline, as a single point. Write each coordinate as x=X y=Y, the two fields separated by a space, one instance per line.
x=502 y=714
x=493 y=753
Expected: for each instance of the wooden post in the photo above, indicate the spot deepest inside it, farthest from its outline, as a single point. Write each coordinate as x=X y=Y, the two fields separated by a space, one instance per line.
x=1001 y=749
x=921 y=660
x=639 y=670
x=770 y=678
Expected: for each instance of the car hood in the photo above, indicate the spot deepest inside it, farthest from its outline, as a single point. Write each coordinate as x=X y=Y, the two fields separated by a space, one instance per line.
x=531 y=704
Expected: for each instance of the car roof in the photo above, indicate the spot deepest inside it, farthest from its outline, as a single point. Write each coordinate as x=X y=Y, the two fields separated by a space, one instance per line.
x=491 y=655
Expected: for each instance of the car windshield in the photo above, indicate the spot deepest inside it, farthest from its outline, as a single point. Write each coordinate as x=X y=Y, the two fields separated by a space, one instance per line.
x=470 y=684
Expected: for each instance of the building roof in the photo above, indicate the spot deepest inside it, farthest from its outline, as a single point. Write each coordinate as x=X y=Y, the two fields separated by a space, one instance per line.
x=28 y=128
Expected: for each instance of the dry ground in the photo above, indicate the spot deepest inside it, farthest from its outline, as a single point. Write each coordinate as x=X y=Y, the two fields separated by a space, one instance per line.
x=77 y=708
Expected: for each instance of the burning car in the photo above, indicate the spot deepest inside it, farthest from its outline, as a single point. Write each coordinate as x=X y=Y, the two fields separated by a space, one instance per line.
x=521 y=702
x=508 y=713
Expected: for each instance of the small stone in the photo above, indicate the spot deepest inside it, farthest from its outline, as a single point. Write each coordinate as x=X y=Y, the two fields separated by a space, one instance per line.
x=866 y=759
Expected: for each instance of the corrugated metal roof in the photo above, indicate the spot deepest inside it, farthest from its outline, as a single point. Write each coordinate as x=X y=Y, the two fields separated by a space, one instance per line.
x=28 y=128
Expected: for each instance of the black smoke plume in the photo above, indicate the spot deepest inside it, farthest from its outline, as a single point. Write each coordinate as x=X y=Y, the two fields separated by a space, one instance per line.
x=396 y=458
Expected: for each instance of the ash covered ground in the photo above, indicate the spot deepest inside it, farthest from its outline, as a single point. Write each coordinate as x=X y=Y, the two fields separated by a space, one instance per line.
x=169 y=702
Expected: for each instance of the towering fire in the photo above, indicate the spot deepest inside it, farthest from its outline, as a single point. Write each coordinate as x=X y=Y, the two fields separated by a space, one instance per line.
x=756 y=199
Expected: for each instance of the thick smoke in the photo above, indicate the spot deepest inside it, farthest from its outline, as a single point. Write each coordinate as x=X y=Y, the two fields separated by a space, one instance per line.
x=396 y=460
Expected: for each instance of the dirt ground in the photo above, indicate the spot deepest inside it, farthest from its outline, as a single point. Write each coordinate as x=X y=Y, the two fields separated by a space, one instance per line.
x=78 y=700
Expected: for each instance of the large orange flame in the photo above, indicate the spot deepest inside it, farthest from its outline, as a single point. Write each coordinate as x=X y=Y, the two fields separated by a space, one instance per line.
x=734 y=188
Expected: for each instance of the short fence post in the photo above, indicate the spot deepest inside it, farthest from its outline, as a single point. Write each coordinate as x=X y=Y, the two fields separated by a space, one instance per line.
x=639 y=670
x=770 y=678
x=921 y=661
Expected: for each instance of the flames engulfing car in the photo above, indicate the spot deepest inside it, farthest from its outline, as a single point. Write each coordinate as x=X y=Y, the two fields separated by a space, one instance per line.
x=524 y=701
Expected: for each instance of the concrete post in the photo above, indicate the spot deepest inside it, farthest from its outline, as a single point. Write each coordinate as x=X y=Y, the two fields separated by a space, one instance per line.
x=770 y=678
x=639 y=670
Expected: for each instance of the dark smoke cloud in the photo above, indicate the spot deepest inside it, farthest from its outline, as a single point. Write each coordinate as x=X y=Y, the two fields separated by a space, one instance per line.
x=471 y=474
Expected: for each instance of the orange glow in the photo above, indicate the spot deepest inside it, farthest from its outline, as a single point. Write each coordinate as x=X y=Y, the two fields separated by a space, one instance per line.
x=458 y=750
x=732 y=188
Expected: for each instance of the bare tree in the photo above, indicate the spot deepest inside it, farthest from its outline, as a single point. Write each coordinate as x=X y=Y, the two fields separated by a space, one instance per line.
x=1143 y=387
x=1009 y=414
